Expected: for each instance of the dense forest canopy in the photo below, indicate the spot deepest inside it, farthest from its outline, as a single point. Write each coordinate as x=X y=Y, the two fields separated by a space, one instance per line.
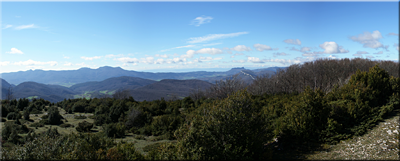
x=323 y=101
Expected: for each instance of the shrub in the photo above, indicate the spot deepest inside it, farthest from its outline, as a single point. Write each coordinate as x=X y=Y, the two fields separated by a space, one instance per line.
x=229 y=129
x=54 y=116
x=26 y=115
x=114 y=130
x=84 y=126
x=13 y=116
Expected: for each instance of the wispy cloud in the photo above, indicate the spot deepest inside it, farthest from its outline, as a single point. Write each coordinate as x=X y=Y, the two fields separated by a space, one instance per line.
x=293 y=41
x=31 y=62
x=393 y=34
x=211 y=37
x=280 y=54
x=4 y=63
x=201 y=20
x=187 y=46
x=90 y=58
x=15 y=51
x=25 y=27
x=381 y=52
x=7 y=26
x=396 y=45
x=212 y=44
x=369 y=40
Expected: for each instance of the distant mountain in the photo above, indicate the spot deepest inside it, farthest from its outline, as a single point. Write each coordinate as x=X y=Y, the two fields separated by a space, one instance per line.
x=52 y=93
x=68 y=77
x=111 y=84
x=167 y=88
x=4 y=88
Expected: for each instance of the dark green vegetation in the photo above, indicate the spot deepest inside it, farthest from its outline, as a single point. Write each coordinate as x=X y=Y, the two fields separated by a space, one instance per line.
x=332 y=100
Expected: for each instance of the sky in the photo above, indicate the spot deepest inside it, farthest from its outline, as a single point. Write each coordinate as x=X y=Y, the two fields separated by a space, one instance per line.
x=193 y=36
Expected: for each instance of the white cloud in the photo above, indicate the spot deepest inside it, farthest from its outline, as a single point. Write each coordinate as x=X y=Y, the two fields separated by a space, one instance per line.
x=187 y=46
x=293 y=41
x=201 y=20
x=332 y=47
x=254 y=60
x=214 y=37
x=304 y=49
x=189 y=54
x=68 y=64
x=280 y=54
x=362 y=52
x=369 y=40
x=261 y=47
x=333 y=57
x=162 y=56
x=90 y=58
x=397 y=46
x=393 y=34
x=239 y=61
x=128 y=60
x=159 y=61
x=66 y=57
x=31 y=62
x=4 y=63
x=25 y=27
x=7 y=26
x=15 y=51
x=370 y=56
x=381 y=52
x=241 y=48
x=113 y=56
x=147 y=60
x=211 y=51
x=212 y=44
x=239 y=54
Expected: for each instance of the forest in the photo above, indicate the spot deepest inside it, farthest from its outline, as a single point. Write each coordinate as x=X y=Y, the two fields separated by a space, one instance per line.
x=294 y=111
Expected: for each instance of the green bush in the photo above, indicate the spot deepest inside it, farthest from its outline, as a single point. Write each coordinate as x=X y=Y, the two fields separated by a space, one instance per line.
x=13 y=116
x=116 y=130
x=84 y=126
x=227 y=129
x=54 y=116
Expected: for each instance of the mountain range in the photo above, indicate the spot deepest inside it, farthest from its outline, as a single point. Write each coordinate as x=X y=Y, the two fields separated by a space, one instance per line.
x=85 y=82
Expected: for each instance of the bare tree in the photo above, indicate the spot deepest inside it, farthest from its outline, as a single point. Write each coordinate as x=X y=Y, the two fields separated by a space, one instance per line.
x=222 y=88
x=122 y=94
x=10 y=94
x=197 y=93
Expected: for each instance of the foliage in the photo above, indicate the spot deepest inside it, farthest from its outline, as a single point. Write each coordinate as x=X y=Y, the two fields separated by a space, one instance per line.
x=114 y=130
x=229 y=129
x=84 y=126
x=54 y=116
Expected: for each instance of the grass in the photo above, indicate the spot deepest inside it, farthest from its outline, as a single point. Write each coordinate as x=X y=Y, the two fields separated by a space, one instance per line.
x=140 y=141
x=32 y=97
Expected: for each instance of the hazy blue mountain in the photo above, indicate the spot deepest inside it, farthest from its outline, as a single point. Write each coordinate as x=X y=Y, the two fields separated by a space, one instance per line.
x=110 y=84
x=82 y=75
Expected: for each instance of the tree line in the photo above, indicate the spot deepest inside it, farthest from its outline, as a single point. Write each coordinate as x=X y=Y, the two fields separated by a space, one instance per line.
x=324 y=101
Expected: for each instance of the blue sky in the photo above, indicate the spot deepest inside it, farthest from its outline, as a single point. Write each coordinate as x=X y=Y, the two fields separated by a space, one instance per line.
x=183 y=36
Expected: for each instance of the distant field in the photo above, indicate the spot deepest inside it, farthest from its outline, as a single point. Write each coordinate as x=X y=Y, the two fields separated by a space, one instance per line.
x=31 y=97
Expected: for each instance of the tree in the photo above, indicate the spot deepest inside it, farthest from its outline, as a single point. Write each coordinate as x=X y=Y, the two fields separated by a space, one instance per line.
x=84 y=126
x=121 y=94
x=10 y=94
x=228 y=129
x=54 y=116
